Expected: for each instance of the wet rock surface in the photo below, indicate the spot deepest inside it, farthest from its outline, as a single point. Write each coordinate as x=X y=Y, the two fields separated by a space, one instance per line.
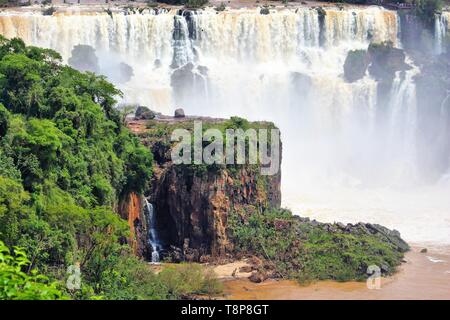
x=179 y=113
x=193 y=202
x=144 y=113
x=386 y=60
x=355 y=65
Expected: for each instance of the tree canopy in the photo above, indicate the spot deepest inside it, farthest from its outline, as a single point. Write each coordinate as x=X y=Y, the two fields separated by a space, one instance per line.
x=65 y=160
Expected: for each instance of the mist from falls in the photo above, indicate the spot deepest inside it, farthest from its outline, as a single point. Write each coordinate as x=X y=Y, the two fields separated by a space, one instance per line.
x=344 y=159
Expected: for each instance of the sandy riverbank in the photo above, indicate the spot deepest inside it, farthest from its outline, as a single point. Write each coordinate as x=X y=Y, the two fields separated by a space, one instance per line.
x=423 y=276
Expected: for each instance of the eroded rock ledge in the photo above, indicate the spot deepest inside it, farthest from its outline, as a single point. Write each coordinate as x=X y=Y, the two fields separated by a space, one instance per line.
x=193 y=202
x=221 y=213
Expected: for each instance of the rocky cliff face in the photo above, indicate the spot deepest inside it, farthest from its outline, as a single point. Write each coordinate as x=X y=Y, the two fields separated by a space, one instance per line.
x=131 y=209
x=192 y=202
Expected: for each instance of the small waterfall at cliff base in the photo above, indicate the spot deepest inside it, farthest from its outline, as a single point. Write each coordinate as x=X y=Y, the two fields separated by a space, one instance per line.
x=152 y=236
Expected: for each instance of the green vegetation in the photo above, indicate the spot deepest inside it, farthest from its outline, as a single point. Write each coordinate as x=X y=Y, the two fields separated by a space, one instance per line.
x=194 y=4
x=158 y=136
x=13 y=3
x=426 y=10
x=188 y=278
x=66 y=160
x=18 y=285
x=125 y=277
x=303 y=250
x=122 y=277
x=152 y=4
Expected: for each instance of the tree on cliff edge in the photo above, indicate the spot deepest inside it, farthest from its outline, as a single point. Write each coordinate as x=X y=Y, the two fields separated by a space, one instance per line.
x=65 y=161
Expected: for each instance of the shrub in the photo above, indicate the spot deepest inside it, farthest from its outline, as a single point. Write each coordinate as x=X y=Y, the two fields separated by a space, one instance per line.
x=65 y=161
x=152 y=4
x=18 y=285
x=185 y=279
x=195 y=4
x=309 y=251
x=126 y=277
x=426 y=10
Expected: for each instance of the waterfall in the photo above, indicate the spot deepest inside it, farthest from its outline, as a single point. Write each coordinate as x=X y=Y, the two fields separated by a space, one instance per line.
x=137 y=39
x=443 y=134
x=402 y=124
x=344 y=153
x=152 y=232
x=216 y=40
x=182 y=47
x=441 y=28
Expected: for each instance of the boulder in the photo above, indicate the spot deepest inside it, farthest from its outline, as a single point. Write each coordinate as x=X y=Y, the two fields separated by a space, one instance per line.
x=392 y=236
x=179 y=113
x=385 y=268
x=264 y=11
x=386 y=61
x=125 y=73
x=340 y=225
x=255 y=262
x=258 y=277
x=355 y=65
x=187 y=81
x=175 y=254
x=191 y=255
x=144 y=113
x=182 y=75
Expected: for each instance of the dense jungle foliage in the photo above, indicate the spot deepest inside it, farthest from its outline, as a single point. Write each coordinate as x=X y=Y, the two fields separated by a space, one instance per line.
x=65 y=160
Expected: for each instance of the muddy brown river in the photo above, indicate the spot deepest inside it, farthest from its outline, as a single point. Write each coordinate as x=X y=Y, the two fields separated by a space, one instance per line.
x=423 y=276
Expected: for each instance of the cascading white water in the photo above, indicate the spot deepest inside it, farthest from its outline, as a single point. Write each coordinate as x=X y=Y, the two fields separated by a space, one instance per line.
x=137 y=39
x=152 y=232
x=441 y=29
x=343 y=157
x=401 y=126
x=443 y=133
